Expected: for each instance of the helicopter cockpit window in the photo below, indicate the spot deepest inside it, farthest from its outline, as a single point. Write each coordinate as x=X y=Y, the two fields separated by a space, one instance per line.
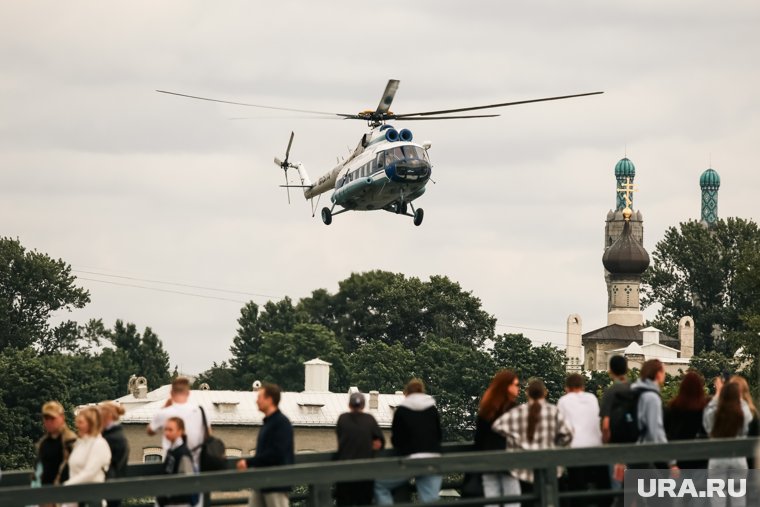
x=393 y=155
x=415 y=152
x=380 y=158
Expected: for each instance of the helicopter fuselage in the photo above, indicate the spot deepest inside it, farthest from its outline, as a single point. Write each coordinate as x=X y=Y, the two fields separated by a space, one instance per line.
x=385 y=171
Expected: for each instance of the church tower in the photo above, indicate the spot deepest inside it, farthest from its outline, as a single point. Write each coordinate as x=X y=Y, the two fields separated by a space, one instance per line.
x=625 y=172
x=710 y=183
x=625 y=261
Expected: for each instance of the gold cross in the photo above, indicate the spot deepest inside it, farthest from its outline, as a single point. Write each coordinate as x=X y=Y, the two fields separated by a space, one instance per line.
x=627 y=190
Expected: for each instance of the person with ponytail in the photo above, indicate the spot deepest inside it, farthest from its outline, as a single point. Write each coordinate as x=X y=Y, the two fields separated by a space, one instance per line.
x=110 y=412
x=499 y=398
x=534 y=425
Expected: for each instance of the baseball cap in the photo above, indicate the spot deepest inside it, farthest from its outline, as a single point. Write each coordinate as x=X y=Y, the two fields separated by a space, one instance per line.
x=356 y=400
x=53 y=408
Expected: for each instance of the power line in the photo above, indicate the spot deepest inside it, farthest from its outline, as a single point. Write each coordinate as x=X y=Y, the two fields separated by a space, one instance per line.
x=158 y=289
x=176 y=284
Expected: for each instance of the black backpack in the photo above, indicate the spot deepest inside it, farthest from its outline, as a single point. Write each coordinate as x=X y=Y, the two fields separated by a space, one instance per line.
x=624 y=417
x=212 y=450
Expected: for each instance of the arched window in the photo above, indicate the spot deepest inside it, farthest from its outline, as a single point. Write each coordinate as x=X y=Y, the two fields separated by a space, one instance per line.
x=153 y=455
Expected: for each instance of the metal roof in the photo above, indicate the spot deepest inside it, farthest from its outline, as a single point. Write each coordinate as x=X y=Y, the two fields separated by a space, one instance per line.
x=628 y=334
x=303 y=409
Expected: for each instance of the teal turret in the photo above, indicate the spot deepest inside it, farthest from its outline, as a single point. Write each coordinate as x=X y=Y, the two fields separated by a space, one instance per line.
x=710 y=183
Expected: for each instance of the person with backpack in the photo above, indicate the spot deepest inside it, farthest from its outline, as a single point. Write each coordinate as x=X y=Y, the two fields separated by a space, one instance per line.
x=179 y=405
x=618 y=372
x=650 y=427
x=178 y=460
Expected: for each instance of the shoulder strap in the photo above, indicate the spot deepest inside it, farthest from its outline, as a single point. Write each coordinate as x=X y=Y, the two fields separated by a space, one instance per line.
x=205 y=422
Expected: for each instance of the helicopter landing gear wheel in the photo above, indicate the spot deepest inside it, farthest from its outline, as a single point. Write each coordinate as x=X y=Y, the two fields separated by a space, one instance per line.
x=326 y=215
x=419 y=214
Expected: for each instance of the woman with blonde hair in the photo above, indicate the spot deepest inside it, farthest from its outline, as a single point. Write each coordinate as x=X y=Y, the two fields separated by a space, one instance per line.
x=754 y=423
x=113 y=433
x=91 y=457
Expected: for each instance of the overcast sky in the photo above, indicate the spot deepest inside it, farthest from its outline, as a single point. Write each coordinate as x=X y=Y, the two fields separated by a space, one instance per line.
x=100 y=170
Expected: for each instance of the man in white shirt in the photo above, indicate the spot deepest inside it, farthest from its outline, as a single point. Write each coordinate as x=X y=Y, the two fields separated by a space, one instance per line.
x=178 y=405
x=581 y=409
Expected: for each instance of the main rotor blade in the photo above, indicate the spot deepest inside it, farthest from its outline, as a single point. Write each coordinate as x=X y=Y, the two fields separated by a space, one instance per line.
x=504 y=104
x=412 y=118
x=256 y=105
x=390 y=92
x=290 y=143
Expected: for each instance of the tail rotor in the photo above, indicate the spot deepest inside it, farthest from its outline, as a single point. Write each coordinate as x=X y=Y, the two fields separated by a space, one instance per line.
x=285 y=165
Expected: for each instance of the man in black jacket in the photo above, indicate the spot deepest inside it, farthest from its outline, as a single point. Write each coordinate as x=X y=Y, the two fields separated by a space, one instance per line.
x=359 y=436
x=415 y=433
x=274 y=446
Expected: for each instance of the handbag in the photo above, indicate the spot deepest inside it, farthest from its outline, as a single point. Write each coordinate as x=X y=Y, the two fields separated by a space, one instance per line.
x=212 y=456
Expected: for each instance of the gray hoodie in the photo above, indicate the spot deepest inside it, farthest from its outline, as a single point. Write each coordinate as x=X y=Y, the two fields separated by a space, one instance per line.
x=651 y=421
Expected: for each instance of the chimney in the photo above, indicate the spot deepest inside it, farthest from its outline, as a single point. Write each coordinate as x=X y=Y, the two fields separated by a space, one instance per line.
x=374 y=400
x=317 y=376
x=650 y=336
x=138 y=387
x=686 y=336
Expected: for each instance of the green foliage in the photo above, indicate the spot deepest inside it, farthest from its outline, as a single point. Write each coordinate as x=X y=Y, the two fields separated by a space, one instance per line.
x=381 y=367
x=456 y=375
x=220 y=377
x=597 y=382
x=281 y=356
x=379 y=305
x=710 y=274
x=32 y=287
x=27 y=381
x=711 y=364
x=547 y=362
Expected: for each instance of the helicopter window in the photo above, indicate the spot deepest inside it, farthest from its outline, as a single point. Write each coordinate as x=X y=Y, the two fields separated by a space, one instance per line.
x=380 y=158
x=393 y=155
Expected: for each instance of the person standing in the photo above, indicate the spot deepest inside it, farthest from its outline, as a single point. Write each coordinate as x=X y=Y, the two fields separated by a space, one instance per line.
x=727 y=416
x=415 y=433
x=91 y=456
x=499 y=398
x=359 y=437
x=178 y=460
x=618 y=372
x=754 y=424
x=683 y=415
x=274 y=446
x=581 y=410
x=55 y=446
x=179 y=405
x=110 y=412
x=649 y=411
x=534 y=425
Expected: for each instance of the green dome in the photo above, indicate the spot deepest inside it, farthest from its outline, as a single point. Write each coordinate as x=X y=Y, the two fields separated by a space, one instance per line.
x=709 y=179
x=625 y=169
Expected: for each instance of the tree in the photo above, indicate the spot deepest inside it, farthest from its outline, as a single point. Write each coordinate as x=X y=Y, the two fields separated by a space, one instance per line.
x=381 y=367
x=705 y=273
x=220 y=377
x=711 y=364
x=547 y=362
x=380 y=305
x=457 y=375
x=27 y=381
x=281 y=356
x=32 y=287
x=145 y=353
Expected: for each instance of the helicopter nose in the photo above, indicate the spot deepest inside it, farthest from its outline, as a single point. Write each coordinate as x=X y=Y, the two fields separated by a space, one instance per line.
x=408 y=171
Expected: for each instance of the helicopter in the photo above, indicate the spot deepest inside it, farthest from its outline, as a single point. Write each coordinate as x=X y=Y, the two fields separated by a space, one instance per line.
x=387 y=170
